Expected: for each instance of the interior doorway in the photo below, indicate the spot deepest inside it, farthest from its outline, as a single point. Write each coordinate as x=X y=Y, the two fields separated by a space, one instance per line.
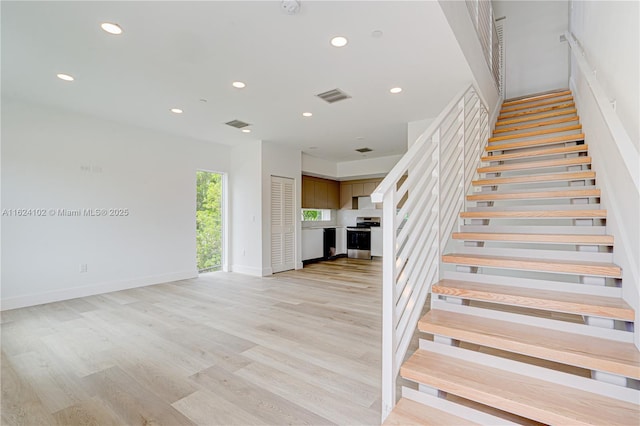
x=209 y=221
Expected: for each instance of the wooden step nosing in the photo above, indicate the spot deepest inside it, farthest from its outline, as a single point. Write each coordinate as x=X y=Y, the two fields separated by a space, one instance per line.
x=535 y=142
x=553 y=177
x=540 y=207
x=539 y=110
x=529 y=264
x=535 y=98
x=536 y=214
x=499 y=195
x=542 y=116
x=549 y=304
x=545 y=152
x=561 y=162
x=551 y=324
x=572 y=239
x=581 y=384
x=538 y=254
x=531 y=133
x=538 y=124
x=536 y=104
x=510 y=342
x=536 y=284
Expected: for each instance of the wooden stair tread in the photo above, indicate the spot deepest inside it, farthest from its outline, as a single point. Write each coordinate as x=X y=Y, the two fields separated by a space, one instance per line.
x=560 y=162
x=536 y=133
x=548 y=177
x=595 y=213
x=587 y=352
x=535 y=142
x=534 y=125
x=535 y=98
x=576 y=239
x=599 y=269
x=536 y=111
x=536 y=117
x=581 y=304
x=516 y=393
x=536 y=153
x=568 y=193
x=412 y=413
x=538 y=103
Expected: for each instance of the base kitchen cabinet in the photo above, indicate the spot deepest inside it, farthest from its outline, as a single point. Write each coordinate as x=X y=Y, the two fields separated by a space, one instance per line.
x=312 y=243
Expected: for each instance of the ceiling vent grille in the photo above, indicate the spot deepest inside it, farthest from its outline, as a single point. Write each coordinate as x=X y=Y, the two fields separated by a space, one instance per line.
x=334 y=95
x=237 y=124
x=363 y=150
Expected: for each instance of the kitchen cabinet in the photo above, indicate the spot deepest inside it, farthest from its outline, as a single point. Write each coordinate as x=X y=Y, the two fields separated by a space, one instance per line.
x=333 y=196
x=320 y=193
x=312 y=243
x=346 y=196
x=376 y=241
x=307 y=193
x=359 y=188
x=369 y=187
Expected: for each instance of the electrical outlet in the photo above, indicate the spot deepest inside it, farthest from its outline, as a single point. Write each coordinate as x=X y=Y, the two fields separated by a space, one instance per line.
x=83 y=268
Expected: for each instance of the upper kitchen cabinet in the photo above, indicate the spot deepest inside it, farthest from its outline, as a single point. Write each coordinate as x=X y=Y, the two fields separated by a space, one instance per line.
x=349 y=190
x=320 y=193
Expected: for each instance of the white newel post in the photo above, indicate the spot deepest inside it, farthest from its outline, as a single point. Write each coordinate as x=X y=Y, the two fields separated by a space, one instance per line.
x=389 y=361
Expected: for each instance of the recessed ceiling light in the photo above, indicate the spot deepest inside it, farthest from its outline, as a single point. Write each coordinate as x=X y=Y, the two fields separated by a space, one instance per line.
x=246 y=130
x=339 y=41
x=176 y=110
x=65 y=77
x=359 y=138
x=111 y=28
x=313 y=147
x=376 y=34
x=238 y=85
x=396 y=90
x=307 y=114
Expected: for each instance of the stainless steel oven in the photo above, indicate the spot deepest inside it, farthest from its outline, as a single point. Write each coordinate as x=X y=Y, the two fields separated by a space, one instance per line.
x=359 y=237
x=359 y=242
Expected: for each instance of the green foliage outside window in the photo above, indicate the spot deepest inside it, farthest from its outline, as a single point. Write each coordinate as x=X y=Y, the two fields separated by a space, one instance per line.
x=311 y=215
x=208 y=221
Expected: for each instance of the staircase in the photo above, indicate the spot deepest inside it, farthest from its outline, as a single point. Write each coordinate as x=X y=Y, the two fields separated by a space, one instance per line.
x=528 y=324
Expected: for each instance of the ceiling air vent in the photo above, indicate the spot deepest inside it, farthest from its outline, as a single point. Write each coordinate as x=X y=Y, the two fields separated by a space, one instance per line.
x=363 y=150
x=334 y=95
x=237 y=124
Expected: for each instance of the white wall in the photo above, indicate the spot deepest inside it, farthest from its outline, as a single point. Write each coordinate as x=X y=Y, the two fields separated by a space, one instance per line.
x=417 y=128
x=282 y=161
x=55 y=159
x=536 y=60
x=610 y=36
x=245 y=185
x=320 y=167
x=368 y=167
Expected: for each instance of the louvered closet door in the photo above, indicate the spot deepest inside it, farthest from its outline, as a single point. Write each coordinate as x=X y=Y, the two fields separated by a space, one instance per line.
x=283 y=224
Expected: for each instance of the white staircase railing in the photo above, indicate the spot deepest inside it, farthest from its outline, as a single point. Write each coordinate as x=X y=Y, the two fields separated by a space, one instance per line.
x=422 y=197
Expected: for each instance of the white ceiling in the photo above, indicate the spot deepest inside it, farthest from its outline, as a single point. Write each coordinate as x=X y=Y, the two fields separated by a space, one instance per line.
x=172 y=54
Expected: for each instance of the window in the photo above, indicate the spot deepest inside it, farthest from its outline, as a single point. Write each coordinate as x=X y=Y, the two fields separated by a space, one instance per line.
x=315 y=215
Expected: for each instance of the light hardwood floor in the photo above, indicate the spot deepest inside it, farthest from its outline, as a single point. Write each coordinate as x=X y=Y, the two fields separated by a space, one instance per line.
x=301 y=347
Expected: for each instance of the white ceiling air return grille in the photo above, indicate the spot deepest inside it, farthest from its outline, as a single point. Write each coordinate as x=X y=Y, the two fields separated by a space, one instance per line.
x=237 y=124
x=333 y=96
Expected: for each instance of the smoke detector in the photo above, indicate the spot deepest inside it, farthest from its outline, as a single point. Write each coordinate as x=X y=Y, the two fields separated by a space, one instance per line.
x=290 y=7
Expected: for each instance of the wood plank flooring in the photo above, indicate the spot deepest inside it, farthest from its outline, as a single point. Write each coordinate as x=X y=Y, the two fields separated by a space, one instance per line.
x=301 y=347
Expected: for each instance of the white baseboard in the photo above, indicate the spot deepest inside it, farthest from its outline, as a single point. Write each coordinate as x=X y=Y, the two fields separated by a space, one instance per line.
x=247 y=270
x=91 y=290
x=267 y=271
